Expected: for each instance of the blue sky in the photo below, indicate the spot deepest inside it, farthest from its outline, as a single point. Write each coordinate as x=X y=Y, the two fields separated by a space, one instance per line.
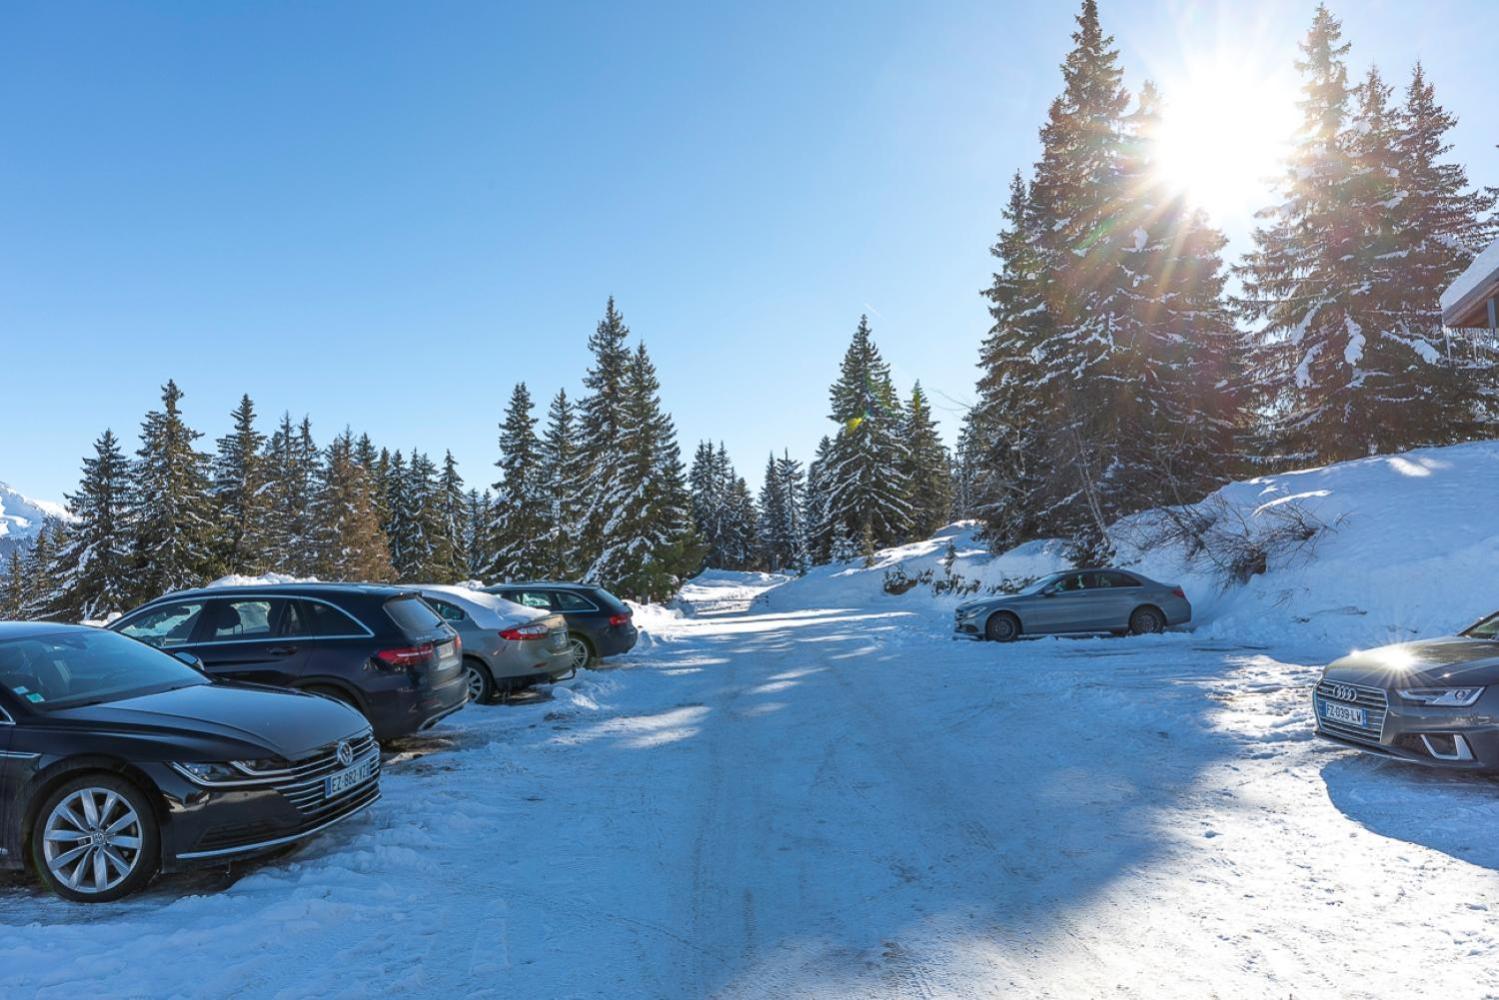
x=385 y=214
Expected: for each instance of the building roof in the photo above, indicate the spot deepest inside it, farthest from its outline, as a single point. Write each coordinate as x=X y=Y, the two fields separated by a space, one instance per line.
x=1466 y=303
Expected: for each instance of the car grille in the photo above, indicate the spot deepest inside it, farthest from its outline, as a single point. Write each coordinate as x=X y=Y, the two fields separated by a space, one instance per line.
x=1374 y=701
x=304 y=784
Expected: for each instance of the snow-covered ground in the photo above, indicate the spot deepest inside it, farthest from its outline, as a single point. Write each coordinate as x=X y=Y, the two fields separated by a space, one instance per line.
x=798 y=788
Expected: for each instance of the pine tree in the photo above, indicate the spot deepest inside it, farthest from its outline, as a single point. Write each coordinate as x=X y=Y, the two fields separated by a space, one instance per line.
x=600 y=438
x=423 y=521
x=518 y=533
x=647 y=543
x=723 y=509
x=564 y=476
x=403 y=522
x=13 y=594
x=928 y=468
x=240 y=493
x=476 y=532
x=1304 y=282
x=818 y=515
x=291 y=469
x=783 y=535
x=41 y=597
x=170 y=509
x=92 y=569
x=740 y=525
x=706 y=487
x=451 y=543
x=866 y=482
x=350 y=543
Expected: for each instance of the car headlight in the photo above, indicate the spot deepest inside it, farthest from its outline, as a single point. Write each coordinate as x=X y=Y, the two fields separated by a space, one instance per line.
x=1443 y=697
x=209 y=772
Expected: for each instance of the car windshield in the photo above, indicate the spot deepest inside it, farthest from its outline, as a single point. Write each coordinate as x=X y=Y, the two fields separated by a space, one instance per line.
x=55 y=670
x=1041 y=584
x=1486 y=629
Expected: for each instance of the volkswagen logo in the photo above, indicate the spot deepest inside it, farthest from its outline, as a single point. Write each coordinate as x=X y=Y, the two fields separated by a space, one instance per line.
x=345 y=753
x=1342 y=692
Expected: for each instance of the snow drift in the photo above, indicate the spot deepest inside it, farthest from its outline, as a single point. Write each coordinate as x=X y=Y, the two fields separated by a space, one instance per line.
x=1409 y=549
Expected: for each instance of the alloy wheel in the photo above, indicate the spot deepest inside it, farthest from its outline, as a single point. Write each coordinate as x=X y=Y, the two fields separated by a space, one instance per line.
x=479 y=689
x=92 y=840
x=580 y=653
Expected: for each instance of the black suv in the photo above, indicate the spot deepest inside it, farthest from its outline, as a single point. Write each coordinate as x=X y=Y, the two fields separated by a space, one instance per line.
x=380 y=649
x=598 y=623
x=117 y=760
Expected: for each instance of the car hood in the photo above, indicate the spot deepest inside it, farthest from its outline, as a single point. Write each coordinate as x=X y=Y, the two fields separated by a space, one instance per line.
x=274 y=721
x=1434 y=662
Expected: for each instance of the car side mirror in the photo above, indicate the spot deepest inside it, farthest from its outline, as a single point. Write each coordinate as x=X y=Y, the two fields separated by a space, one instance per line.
x=196 y=662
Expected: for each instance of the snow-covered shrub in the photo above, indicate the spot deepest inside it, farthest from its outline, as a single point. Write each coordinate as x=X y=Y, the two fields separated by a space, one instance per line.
x=1237 y=544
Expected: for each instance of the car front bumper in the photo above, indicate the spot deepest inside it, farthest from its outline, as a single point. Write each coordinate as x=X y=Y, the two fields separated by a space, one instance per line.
x=1460 y=739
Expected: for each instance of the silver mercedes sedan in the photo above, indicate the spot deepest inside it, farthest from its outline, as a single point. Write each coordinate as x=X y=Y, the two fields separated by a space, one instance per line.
x=506 y=647
x=1077 y=600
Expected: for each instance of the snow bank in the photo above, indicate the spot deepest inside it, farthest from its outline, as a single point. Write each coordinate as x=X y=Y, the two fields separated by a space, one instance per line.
x=1411 y=551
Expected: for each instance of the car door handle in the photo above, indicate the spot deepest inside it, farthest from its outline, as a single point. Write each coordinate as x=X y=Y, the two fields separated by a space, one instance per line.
x=282 y=650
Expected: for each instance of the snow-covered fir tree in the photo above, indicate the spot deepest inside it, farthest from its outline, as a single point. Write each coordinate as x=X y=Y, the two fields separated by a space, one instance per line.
x=783 y=534
x=741 y=523
x=350 y=542
x=425 y=562
x=564 y=474
x=928 y=467
x=13 y=592
x=723 y=509
x=601 y=458
x=43 y=596
x=402 y=518
x=817 y=516
x=518 y=533
x=291 y=470
x=647 y=541
x=476 y=532
x=170 y=510
x=450 y=544
x=241 y=493
x=867 y=488
x=92 y=569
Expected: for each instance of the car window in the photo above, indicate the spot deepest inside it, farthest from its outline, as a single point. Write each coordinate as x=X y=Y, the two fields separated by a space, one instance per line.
x=319 y=620
x=532 y=599
x=251 y=618
x=413 y=616
x=166 y=626
x=1112 y=578
x=568 y=601
x=63 y=669
x=449 y=612
x=1070 y=582
x=1486 y=629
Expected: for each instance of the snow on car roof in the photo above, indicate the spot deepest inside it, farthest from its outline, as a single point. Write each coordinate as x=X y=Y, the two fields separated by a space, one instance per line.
x=487 y=610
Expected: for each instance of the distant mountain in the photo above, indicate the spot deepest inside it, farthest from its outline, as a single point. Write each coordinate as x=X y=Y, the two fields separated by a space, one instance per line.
x=21 y=518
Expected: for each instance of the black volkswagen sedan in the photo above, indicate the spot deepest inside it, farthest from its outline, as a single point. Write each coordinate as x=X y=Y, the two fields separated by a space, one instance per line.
x=117 y=761
x=382 y=650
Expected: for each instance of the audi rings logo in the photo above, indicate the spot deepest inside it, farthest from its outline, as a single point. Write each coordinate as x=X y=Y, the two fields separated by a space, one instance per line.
x=1344 y=692
x=346 y=752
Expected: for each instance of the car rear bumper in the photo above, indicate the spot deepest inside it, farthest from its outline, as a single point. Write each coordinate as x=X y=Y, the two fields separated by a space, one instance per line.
x=398 y=713
x=617 y=640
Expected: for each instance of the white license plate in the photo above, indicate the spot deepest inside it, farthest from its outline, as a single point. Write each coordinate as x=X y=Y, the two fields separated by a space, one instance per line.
x=342 y=781
x=1346 y=714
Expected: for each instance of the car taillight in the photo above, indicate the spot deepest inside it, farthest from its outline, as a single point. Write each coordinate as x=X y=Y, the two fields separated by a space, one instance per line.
x=405 y=656
x=1178 y=592
x=619 y=619
x=457 y=643
x=523 y=632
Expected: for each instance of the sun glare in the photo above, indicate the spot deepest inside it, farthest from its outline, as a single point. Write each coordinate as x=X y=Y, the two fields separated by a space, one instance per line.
x=1225 y=127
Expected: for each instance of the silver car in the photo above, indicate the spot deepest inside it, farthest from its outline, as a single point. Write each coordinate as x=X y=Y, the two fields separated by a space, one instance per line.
x=1077 y=600
x=1432 y=702
x=506 y=647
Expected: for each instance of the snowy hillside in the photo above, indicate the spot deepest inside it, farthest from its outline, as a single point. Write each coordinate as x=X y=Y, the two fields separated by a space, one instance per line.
x=1409 y=550
x=21 y=517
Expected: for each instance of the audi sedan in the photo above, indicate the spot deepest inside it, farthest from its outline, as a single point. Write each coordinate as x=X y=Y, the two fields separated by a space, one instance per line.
x=1433 y=702
x=1076 y=601
x=118 y=761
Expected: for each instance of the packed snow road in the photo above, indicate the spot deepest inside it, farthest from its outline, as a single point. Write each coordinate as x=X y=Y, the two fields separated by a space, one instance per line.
x=768 y=802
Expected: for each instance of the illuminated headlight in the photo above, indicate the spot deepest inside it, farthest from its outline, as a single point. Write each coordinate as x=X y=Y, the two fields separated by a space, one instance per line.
x=1443 y=697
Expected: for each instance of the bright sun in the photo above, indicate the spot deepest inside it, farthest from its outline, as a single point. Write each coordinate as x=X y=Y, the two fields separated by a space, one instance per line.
x=1226 y=126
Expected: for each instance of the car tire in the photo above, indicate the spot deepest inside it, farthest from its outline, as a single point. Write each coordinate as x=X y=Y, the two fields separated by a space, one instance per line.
x=1147 y=621
x=481 y=686
x=581 y=651
x=95 y=839
x=1002 y=627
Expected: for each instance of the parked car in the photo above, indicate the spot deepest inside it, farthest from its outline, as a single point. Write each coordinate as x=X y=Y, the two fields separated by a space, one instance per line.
x=381 y=649
x=1433 y=702
x=118 y=760
x=599 y=624
x=506 y=646
x=1077 y=600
